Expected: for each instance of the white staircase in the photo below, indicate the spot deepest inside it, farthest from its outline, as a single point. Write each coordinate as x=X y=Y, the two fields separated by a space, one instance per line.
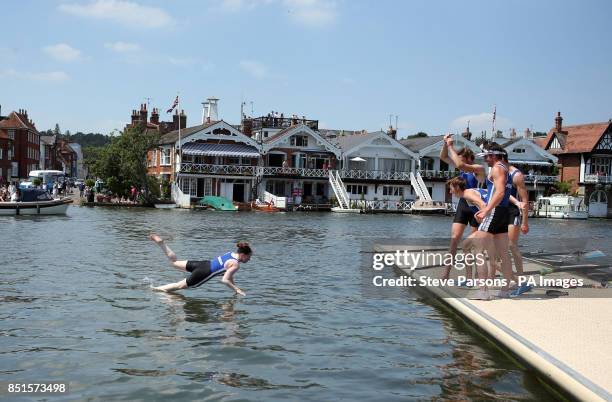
x=339 y=190
x=419 y=186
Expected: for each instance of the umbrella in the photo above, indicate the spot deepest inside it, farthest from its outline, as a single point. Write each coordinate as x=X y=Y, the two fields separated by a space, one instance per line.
x=358 y=159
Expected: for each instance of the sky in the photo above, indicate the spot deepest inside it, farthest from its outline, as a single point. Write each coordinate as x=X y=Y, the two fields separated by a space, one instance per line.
x=348 y=63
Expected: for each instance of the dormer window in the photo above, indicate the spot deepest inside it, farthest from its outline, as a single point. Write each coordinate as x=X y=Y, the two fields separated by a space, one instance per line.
x=299 y=141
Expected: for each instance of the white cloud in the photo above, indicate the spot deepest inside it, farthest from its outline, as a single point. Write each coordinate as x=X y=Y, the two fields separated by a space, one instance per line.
x=254 y=68
x=480 y=122
x=51 y=76
x=306 y=12
x=237 y=5
x=63 y=52
x=123 y=12
x=122 y=47
x=312 y=12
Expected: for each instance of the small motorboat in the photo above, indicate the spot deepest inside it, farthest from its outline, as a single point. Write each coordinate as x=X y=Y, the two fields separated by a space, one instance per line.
x=429 y=207
x=264 y=206
x=35 y=201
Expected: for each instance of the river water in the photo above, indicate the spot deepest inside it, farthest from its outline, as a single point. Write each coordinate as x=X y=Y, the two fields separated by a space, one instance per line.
x=76 y=306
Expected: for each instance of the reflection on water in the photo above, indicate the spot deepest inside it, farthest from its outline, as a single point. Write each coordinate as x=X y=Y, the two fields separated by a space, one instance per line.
x=76 y=305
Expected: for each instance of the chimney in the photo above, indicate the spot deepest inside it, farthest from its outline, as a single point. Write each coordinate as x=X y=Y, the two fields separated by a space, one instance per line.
x=247 y=127
x=183 y=119
x=155 y=116
x=392 y=132
x=558 y=122
x=175 y=120
x=134 y=116
x=205 y=106
x=527 y=133
x=143 y=113
x=213 y=112
x=513 y=134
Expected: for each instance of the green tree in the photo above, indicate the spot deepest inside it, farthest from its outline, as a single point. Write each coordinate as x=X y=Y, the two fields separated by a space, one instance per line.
x=564 y=187
x=125 y=161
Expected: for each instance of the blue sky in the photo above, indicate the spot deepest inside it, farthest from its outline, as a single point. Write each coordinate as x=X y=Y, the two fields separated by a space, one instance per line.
x=349 y=64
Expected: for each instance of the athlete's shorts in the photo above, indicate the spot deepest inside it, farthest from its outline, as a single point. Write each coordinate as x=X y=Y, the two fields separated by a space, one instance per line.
x=464 y=214
x=200 y=273
x=496 y=222
x=514 y=215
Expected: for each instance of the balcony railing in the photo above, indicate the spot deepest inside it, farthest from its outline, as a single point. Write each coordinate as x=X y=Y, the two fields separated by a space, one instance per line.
x=282 y=122
x=204 y=168
x=287 y=171
x=541 y=179
x=374 y=175
x=595 y=178
x=218 y=169
x=437 y=174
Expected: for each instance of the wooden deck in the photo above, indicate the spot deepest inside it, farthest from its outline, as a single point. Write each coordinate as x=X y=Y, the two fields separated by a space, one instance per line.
x=565 y=339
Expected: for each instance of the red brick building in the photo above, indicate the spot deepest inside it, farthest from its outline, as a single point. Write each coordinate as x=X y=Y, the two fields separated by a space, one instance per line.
x=6 y=146
x=23 y=146
x=585 y=153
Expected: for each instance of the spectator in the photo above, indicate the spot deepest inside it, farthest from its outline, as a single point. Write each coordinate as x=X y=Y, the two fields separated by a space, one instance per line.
x=16 y=197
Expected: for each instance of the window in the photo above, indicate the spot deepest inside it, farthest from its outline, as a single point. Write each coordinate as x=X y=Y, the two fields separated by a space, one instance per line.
x=1 y=153
x=11 y=134
x=393 y=165
x=599 y=166
x=164 y=157
x=189 y=186
x=299 y=140
x=394 y=191
x=519 y=150
x=356 y=189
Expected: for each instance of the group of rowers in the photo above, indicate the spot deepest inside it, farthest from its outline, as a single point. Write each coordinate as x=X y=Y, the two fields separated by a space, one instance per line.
x=497 y=214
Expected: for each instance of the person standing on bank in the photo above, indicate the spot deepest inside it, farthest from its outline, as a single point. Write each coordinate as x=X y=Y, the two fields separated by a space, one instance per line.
x=473 y=174
x=202 y=271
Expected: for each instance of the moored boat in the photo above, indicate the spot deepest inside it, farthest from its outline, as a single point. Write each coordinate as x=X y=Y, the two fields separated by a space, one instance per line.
x=560 y=206
x=428 y=207
x=36 y=202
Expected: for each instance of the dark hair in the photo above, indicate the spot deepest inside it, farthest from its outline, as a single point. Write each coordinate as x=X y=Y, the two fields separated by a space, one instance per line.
x=244 y=248
x=494 y=146
x=458 y=182
x=466 y=153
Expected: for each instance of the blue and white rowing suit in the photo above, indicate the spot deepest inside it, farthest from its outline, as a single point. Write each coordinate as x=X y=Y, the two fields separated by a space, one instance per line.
x=202 y=271
x=497 y=221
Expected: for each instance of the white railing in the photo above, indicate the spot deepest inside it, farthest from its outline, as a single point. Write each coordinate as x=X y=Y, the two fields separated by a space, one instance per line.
x=374 y=175
x=339 y=190
x=304 y=172
x=437 y=174
x=218 y=169
x=541 y=179
x=181 y=199
x=595 y=178
x=419 y=187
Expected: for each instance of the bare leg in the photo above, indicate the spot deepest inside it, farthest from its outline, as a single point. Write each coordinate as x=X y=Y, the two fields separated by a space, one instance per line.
x=480 y=242
x=456 y=235
x=172 y=286
x=181 y=265
x=468 y=268
x=513 y=235
x=501 y=247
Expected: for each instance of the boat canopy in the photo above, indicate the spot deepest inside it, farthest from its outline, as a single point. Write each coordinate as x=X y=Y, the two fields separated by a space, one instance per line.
x=35 y=194
x=207 y=149
x=535 y=163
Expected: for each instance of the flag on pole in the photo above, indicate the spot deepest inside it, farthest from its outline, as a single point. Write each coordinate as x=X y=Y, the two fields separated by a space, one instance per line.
x=174 y=104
